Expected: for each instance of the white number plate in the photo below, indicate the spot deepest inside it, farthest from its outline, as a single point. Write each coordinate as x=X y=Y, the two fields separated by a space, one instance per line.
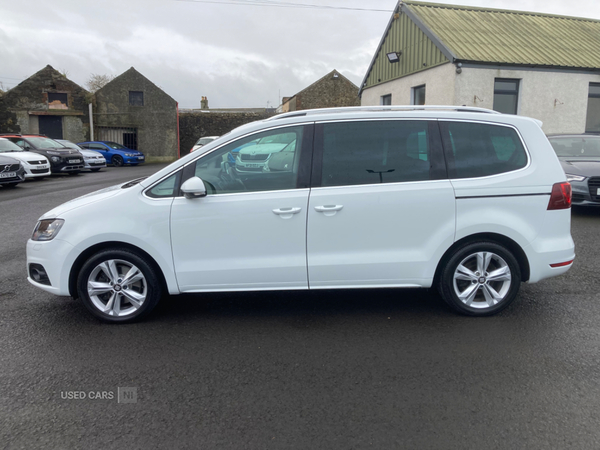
x=41 y=167
x=598 y=191
x=8 y=174
x=252 y=166
x=140 y=157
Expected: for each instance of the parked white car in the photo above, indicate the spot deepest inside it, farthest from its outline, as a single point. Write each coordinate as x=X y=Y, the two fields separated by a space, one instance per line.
x=35 y=165
x=465 y=199
x=202 y=142
x=92 y=160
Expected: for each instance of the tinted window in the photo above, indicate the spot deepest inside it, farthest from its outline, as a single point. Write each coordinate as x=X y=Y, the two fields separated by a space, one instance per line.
x=266 y=161
x=375 y=152
x=478 y=150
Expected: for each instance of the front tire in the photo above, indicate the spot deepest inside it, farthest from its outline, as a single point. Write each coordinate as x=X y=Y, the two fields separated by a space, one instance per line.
x=480 y=279
x=117 y=161
x=118 y=286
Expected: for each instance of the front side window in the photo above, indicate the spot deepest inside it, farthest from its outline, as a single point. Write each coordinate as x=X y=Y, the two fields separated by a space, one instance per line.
x=418 y=95
x=592 y=122
x=374 y=152
x=267 y=161
x=479 y=150
x=136 y=98
x=506 y=95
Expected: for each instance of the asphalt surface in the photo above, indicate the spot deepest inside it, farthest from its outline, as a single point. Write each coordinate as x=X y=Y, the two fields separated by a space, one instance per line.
x=303 y=370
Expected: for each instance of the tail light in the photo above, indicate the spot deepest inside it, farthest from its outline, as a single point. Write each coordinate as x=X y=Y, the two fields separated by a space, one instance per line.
x=560 y=198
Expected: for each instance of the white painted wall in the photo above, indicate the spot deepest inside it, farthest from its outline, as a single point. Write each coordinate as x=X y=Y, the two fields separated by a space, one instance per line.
x=558 y=99
x=438 y=81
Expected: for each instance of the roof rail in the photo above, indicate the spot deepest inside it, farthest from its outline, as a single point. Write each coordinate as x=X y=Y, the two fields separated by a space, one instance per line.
x=309 y=112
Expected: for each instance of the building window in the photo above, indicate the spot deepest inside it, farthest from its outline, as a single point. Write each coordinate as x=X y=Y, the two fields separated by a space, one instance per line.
x=418 y=95
x=136 y=98
x=592 y=122
x=57 y=100
x=506 y=95
x=386 y=99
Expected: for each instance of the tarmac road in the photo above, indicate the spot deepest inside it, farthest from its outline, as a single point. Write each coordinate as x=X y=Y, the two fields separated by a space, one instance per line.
x=303 y=370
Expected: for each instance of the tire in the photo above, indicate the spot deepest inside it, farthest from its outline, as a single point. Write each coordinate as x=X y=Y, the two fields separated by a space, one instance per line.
x=115 y=300
x=117 y=161
x=95 y=170
x=466 y=284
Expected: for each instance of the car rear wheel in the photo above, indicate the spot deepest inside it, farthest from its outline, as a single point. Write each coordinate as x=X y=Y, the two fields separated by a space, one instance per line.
x=118 y=286
x=117 y=161
x=480 y=279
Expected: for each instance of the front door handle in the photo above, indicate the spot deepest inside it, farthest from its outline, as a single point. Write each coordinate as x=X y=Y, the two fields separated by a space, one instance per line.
x=329 y=210
x=287 y=213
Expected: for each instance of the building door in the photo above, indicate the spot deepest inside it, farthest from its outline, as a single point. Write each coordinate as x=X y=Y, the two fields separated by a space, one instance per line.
x=51 y=126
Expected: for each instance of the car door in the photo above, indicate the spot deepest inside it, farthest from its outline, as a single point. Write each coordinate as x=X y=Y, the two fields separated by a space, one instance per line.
x=249 y=232
x=381 y=211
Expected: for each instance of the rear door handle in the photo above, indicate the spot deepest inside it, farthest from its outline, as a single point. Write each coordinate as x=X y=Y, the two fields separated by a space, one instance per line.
x=286 y=213
x=329 y=210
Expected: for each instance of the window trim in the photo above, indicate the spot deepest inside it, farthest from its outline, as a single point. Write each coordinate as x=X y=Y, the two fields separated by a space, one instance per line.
x=450 y=157
x=506 y=91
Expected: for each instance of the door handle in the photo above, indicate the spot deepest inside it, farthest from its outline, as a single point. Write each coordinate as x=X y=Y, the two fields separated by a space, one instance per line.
x=287 y=213
x=329 y=210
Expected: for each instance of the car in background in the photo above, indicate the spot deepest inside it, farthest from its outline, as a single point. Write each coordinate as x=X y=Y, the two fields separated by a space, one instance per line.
x=254 y=156
x=62 y=159
x=203 y=141
x=35 y=165
x=115 y=153
x=11 y=171
x=92 y=160
x=579 y=155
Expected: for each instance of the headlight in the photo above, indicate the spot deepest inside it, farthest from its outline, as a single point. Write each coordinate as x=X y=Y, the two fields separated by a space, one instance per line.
x=129 y=154
x=574 y=178
x=47 y=229
x=55 y=158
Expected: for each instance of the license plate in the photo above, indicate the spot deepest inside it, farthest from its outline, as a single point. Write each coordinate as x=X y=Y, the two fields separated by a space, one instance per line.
x=598 y=191
x=253 y=166
x=41 y=167
x=74 y=161
x=8 y=174
x=140 y=157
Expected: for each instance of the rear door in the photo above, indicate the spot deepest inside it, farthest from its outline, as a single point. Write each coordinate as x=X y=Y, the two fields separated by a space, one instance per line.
x=381 y=210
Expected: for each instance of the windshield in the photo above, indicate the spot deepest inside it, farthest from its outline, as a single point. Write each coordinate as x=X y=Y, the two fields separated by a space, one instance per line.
x=116 y=146
x=42 y=142
x=8 y=146
x=69 y=144
x=577 y=147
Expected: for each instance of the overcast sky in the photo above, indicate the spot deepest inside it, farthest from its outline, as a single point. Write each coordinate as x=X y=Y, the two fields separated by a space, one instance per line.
x=237 y=55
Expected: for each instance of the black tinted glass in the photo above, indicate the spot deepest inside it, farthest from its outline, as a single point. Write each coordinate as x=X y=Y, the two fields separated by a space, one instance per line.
x=375 y=152
x=478 y=150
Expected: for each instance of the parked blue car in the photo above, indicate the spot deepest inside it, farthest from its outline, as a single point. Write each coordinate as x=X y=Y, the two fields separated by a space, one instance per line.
x=114 y=153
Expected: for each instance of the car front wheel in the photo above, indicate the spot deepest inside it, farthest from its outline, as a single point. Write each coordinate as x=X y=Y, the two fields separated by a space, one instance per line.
x=117 y=161
x=480 y=279
x=118 y=286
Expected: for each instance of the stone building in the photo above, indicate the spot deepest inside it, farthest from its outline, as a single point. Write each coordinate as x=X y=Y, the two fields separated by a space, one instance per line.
x=134 y=112
x=333 y=90
x=538 y=65
x=46 y=103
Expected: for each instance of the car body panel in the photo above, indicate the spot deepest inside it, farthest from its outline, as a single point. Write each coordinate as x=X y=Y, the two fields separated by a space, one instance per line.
x=34 y=164
x=105 y=148
x=92 y=160
x=11 y=171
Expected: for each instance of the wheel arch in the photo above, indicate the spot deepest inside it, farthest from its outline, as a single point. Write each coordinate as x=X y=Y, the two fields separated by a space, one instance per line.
x=86 y=254
x=507 y=242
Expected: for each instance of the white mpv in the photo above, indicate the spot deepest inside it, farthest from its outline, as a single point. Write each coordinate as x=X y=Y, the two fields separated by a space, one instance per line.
x=464 y=199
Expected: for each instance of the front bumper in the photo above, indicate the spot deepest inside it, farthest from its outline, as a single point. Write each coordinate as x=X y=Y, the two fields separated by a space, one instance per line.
x=90 y=164
x=36 y=170
x=134 y=159
x=586 y=192
x=57 y=258
x=19 y=176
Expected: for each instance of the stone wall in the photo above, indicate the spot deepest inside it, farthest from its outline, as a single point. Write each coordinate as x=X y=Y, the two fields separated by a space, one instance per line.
x=332 y=91
x=194 y=125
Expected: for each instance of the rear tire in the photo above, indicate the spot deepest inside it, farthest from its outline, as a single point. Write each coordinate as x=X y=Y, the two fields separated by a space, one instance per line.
x=118 y=286
x=480 y=279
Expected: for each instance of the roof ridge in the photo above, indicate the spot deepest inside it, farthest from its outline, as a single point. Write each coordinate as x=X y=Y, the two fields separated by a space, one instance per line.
x=497 y=10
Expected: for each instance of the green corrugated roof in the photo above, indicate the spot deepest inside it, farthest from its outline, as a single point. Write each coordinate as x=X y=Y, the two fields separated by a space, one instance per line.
x=511 y=37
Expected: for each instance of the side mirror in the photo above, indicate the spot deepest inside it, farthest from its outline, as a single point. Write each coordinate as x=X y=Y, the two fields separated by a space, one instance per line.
x=193 y=188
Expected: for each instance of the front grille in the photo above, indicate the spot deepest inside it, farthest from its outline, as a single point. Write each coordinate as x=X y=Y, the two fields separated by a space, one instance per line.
x=577 y=198
x=39 y=170
x=259 y=157
x=9 y=167
x=36 y=162
x=594 y=186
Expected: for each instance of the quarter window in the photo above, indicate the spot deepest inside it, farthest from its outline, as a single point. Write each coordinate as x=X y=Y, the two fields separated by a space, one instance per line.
x=266 y=161
x=374 y=152
x=165 y=188
x=506 y=95
x=479 y=150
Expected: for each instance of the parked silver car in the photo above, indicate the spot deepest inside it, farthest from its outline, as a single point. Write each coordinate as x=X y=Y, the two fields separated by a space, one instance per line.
x=92 y=160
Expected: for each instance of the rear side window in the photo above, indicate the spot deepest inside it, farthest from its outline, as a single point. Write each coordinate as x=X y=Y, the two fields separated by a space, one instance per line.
x=374 y=152
x=479 y=150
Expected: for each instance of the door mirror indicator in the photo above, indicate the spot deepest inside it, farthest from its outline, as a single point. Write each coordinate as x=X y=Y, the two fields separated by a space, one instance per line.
x=193 y=188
